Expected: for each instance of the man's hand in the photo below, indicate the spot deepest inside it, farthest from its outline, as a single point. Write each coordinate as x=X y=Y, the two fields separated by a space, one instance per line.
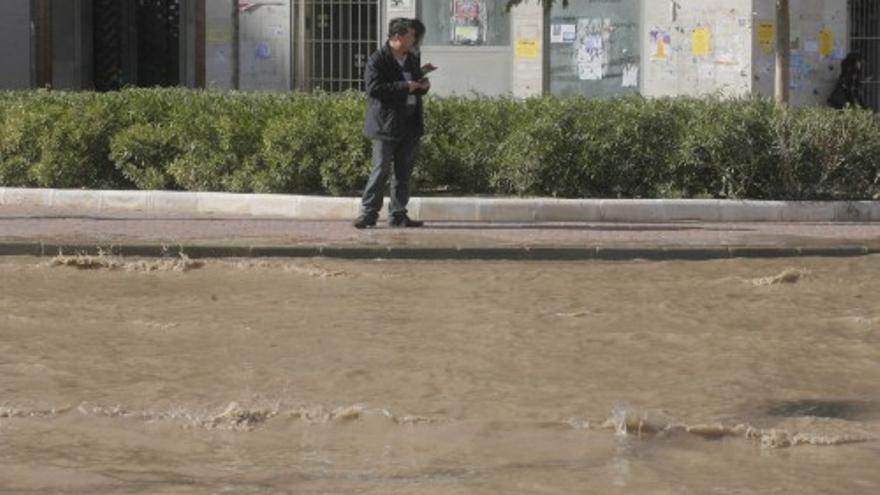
x=421 y=85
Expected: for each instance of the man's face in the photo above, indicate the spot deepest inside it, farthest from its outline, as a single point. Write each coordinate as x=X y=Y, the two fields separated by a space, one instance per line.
x=406 y=41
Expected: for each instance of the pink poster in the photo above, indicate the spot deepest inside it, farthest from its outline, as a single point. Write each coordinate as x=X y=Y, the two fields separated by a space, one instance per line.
x=468 y=22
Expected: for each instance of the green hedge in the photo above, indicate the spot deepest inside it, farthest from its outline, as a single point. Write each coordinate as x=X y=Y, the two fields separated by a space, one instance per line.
x=563 y=147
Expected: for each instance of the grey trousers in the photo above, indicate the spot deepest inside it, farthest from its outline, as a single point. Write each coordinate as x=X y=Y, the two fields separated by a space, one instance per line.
x=395 y=158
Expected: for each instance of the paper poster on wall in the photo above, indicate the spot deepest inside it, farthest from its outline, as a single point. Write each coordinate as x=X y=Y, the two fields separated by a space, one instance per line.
x=526 y=48
x=563 y=33
x=527 y=42
x=701 y=42
x=826 y=43
x=660 y=41
x=630 y=76
x=467 y=35
x=726 y=58
x=811 y=46
x=218 y=34
x=796 y=71
x=592 y=52
x=468 y=22
x=766 y=36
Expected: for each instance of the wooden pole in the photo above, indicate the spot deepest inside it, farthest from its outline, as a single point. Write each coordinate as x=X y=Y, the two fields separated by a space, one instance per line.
x=783 y=51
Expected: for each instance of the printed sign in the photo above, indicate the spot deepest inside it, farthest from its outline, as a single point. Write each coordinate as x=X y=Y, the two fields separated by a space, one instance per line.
x=563 y=33
x=766 y=36
x=826 y=43
x=701 y=42
x=468 y=21
x=660 y=41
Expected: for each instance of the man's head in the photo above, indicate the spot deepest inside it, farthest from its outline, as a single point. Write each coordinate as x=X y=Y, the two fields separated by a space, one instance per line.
x=853 y=61
x=401 y=34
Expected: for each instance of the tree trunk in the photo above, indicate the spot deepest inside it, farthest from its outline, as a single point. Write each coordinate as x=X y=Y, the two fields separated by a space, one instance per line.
x=783 y=51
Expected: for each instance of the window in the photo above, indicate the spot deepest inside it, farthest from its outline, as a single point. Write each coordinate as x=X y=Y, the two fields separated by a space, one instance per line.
x=594 y=48
x=466 y=22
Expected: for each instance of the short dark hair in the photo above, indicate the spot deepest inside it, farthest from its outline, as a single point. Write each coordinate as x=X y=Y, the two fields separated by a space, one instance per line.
x=420 y=28
x=399 y=27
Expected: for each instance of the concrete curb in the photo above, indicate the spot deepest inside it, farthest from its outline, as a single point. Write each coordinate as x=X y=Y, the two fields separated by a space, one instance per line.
x=198 y=251
x=447 y=209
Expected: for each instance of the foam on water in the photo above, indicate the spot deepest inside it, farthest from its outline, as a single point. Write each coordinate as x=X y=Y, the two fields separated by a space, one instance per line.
x=787 y=276
x=233 y=417
x=308 y=269
x=624 y=421
x=9 y=412
x=792 y=432
x=104 y=261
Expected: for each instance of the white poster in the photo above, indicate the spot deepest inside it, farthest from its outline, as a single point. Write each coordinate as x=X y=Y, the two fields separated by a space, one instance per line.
x=592 y=48
x=563 y=33
x=630 y=76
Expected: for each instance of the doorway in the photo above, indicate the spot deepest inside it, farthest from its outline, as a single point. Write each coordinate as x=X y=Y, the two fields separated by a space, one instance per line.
x=136 y=43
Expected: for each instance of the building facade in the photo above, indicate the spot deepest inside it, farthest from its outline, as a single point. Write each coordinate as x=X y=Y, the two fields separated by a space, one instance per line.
x=598 y=48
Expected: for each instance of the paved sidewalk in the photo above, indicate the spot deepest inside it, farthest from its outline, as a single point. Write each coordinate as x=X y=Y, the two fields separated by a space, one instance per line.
x=47 y=231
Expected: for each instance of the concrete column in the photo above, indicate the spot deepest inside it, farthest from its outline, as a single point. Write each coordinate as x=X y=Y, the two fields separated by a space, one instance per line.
x=264 y=46
x=16 y=47
x=528 y=49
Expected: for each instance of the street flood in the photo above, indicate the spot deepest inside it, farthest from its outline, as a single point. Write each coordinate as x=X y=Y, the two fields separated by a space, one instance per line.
x=388 y=377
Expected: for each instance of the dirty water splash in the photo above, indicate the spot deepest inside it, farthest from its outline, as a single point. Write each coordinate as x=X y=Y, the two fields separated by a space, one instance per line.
x=807 y=430
x=102 y=261
x=623 y=421
x=329 y=376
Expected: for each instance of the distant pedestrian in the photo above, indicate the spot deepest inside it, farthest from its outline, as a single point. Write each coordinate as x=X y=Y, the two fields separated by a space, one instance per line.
x=394 y=122
x=848 y=91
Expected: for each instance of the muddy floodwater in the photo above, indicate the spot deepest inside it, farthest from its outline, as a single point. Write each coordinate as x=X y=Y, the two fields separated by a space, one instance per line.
x=379 y=377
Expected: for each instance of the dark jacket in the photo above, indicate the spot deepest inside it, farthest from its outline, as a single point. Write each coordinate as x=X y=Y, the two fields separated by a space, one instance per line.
x=848 y=90
x=387 y=92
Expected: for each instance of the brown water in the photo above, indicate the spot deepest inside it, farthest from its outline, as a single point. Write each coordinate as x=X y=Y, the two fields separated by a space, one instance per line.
x=320 y=376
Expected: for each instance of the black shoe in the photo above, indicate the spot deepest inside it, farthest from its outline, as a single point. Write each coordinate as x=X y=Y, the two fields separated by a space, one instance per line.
x=364 y=221
x=403 y=221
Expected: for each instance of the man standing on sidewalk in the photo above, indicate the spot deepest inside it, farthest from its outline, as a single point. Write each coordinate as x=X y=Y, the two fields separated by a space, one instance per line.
x=394 y=122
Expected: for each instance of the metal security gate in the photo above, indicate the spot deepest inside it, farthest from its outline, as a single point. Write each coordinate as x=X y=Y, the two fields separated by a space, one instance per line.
x=864 y=16
x=339 y=36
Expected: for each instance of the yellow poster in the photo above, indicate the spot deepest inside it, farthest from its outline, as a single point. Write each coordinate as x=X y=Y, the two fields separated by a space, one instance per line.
x=660 y=52
x=766 y=36
x=526 y=48
x=766 y=33
x=701 y=42
x=826 y=43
